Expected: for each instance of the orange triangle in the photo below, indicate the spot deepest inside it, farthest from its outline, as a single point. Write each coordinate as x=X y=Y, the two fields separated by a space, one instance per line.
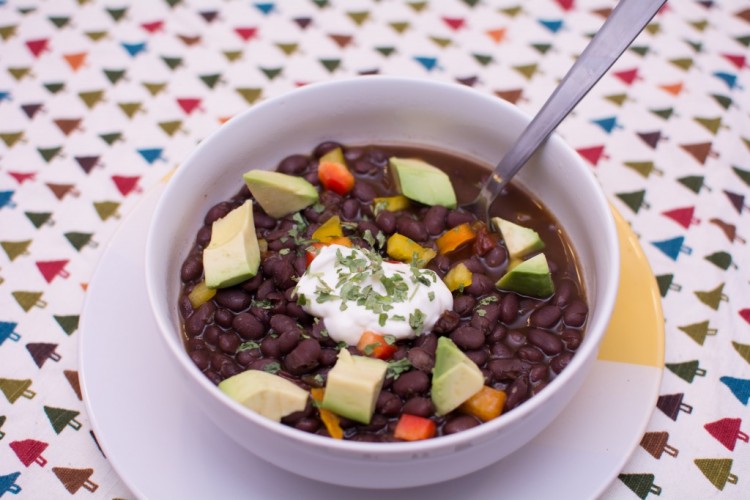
x=224 y=119
x=675 y=88
x=497 y=35
x=76 y=60
x=84 y=286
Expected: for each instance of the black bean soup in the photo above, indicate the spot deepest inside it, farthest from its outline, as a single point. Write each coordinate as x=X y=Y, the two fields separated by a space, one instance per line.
x=519 y=343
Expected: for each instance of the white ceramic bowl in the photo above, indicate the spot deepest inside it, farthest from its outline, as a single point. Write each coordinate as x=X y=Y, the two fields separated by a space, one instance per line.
x=386 y=110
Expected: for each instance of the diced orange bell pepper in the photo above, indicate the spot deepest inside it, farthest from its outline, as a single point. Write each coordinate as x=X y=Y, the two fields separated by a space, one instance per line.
x=335 y=177
x=201 y=294
x=454 y=238
x=312 y=250
x=414 y=428
x=375 y=345
x=330 y=419
x=403 y=249
x=458 y=277
x=486 y=404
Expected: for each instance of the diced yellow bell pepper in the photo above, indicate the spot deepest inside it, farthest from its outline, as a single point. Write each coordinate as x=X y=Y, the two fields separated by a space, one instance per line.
x=401 y=248
x=201 y=294
x=486 y=404
x=330 y=419
x=391 y=203
x=458 y=278
x=329 y=230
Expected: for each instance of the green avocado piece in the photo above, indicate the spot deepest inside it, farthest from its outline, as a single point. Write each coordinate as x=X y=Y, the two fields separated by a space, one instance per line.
x=335 y=155
x=233 y=254
x=422 y=182
x=268 y=394
x=531 y=277
x=519 y=240
x=280 y=194
x=455 y=377
x=353 y=386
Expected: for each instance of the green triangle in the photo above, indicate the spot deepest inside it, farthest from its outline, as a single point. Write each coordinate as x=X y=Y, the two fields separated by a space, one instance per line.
x=38 y=218
x=59 y=21
x=49 y=153
x=7 y=32
x=724 y=101
x=320 y=3
x=744 y=40
x=698 y=331
x=684 y=63
x=232 y=55
x=542 y=48
x=700 y=25
x=95 y=36
x=271 y=73
x=60 y=418
x=172 y=3
x=15 y=248
x=697 y=46
x=640 y=484
x=645 y=168
x=11 y=138
x=711 y=124
x=111 y=137
x=210 y=80
x=172 y=62
x=665 y=113
x=250 y=94
x=641 y=50
x=19 y=73
x=664 y=283
x=653 y=28
x=114 y=75
x=386 y=51
x=712 y=298
x=78 y=240
x=747 y=142
x=512 y=11
x=106 y=209
x=635 y=200
x=483 y=59
x=54 y=87
x=743 y=174
x=14 y=389
x=743 y=350
x=69 y=324
x=330 y=64
x=527 y=70
x=441 y=42
x=471 y=3
x=288 y=48
x=618 y=99
x=26 y=10
x=359 y=17
x=171 y=127
x=686 y=370
x=92 y=98
x=129 y=108
x=692 y=182
x=27 y=300
x=154 y=88
x=417 y=6
x=400 y=26
x=722 y=260
x=717 y=470
x=117 y=14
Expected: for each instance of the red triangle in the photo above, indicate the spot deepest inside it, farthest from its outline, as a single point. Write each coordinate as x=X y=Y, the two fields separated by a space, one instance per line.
x=126 y=184
x=737 y=61
x=22 y=177
x=29 y=451
x=455 y=23
x=189 y=104
x=246 y=33
x=727 y=431
x=37 y=46
x=592 y=154
x=153 y=26
x=627 y=76
x=566 y=4
x=52 y=268
x=682 y=216
x=745 y=314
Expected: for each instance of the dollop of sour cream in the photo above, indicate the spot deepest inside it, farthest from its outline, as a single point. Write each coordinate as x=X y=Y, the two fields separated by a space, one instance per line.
x=355 y=290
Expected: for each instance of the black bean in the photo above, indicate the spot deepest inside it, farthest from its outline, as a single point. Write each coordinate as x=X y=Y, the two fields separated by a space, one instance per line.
x=295 y=310
x=411 y=228
x=278 y=304
x=530 y=354
x=474 y=264
x=229 y=342
x=204 y=235
x=571 y=338
x=191 y=269
x=386 y=221
x=213 y=376
x=229 y=369
x=253 y=283
x=248 y=356
x=505 y=369
x=496 y=256
x=263 y=364
x=460 y=423
x=420 y=360
x=467 y=337
x=223 y=317
x=261 y=314
x=218 y=360
x=546 y=341
x=565 y=291
x=456 y=217
x=296 y=416
x=185 y=306
x=427 y=342
x=264 y=289
x=330 y=199
x=419 y=406
x=350 y=209
x=480 y=284
x=377 y=156
x=270 y=347
x=308 y=425
x=353 y=153
x=234 y=299
x=388 y=404
x=559 y=362
x=248 y=326
x=575 y=313
x=518 y=392
x=441 y=264
x=434 y=219
x=509 y=308
x=538 y=373
x=400 y=353
x=545 y=317
x=303 y=358
x=491 y=312
x=464 y=304
x=447 y=322
x=327 y=357
x=201 y=358
x=501 y=351
x=411 y=384
x=515 y=339
x=312 y=176
x=293 y=164
x=364 y=167
x=366 y=225
x=497 y=334
x=325 y=147
x=289 y=340
x=479 y=356
x=376 y=423
x=199 y=319
x=263 y=220
x=217 y=212
x=283 y=323
x=211 y=334
x=364 y=192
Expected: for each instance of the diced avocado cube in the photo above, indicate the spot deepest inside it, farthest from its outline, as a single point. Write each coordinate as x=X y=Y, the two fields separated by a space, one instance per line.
x=519 y=240
x=353 y=386
x=268 y=394
x=233 y=254
x=422 y=182
x=531 y=277
x=455 y=377
x=280 y=194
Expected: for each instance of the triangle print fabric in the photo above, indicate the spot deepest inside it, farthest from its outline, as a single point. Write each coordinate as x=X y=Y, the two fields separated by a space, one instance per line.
x=101 y=100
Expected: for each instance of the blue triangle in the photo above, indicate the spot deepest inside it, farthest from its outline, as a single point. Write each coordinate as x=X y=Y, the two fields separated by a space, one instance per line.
x=4 y=95
x=134 y=48
x=608 y=124
x=671 y=248
x=728 y=78
x=265 y=8
x=8 y=481
x=553 y=25
x=7 y=330
x=740 y=387
x=5 y=197
x=151 y=155
x=429 y=63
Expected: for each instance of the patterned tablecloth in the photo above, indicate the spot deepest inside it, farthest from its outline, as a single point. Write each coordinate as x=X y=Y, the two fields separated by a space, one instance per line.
x=99 y=100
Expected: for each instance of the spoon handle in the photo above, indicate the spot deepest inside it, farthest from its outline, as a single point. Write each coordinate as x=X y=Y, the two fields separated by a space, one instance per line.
x=625 y=22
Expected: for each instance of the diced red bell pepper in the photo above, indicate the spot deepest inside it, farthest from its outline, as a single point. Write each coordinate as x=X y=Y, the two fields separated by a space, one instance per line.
x=335 y=177
x=414 y=428
x=374 y=345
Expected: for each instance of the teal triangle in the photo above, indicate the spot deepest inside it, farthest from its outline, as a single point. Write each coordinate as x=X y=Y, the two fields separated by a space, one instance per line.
x=672 y=247
x=429 y=63
x=740 y=388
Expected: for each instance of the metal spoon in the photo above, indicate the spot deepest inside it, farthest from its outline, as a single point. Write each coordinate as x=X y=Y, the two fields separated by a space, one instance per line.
x=625 y=22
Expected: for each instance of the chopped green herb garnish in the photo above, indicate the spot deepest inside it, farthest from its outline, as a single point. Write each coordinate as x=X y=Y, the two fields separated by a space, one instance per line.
x=250 y=344
x=284 y=251
x=431 y=296
x=488 y=300
x=416 y=321
x=341 y=345
x=396 y=368
x=272 y=368
x=370 y=348
x=389 y=339
x=302 y=300
x=382 y=319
